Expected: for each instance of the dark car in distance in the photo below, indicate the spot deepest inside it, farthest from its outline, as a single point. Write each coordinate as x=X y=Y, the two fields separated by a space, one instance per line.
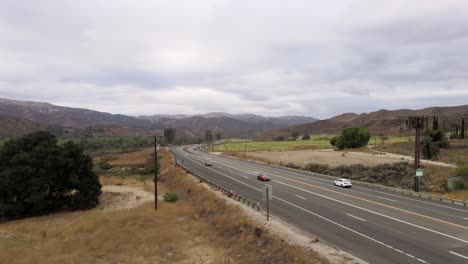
x=262 y=176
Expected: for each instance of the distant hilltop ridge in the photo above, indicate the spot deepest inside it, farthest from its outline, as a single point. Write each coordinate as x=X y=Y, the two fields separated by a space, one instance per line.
x=382 y=122
x=22 y=117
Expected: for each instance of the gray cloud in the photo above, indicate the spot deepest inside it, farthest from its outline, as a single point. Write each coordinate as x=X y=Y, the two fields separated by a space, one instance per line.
x=271 y=58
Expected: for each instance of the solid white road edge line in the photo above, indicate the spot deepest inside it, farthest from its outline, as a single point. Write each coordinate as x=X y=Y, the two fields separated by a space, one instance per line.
x=298 y=175
x=373 y=212
x=358 y=218
x=310 y=212
x=355 y=206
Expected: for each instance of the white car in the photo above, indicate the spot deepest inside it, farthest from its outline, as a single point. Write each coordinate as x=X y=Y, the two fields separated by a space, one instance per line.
x=342 y=183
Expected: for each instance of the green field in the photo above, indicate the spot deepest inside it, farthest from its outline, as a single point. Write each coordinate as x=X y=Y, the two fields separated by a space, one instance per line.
x=316 y=142
x=239 y=145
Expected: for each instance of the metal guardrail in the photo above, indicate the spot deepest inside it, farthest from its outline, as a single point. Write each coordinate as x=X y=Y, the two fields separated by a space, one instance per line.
x=381 y=187
x=217 y=187
x=374 y=186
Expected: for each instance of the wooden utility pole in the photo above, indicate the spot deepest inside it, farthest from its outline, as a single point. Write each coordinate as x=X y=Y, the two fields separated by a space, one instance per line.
x=418 y=123
x=268 y=203
x=155 y=173
x=245 y=148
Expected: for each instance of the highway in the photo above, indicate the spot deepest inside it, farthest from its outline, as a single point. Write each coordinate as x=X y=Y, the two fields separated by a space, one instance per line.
x=374 y=225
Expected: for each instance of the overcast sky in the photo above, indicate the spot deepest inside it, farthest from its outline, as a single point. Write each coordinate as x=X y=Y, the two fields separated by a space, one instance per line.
x=316 y=58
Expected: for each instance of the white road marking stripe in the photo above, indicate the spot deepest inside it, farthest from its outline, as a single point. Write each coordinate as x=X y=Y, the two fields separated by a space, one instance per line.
x=373 y=212
x=461 y=256
x=245 y=177
x=364 y=209
x=303 y=198
x=386 y=199
x=340 y=225
x=298 y=175
x=411 y=256
x=420 y=260
x=310 y=212
x=364 y=220
x=466 y=218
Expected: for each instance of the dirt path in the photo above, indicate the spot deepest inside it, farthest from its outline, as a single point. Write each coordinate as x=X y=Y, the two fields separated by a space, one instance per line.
x=115 y=197
x=322 y=156
x=337 y=158
x=403 y=157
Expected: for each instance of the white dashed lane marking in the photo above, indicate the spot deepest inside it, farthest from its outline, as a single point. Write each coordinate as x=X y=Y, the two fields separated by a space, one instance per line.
x=303 y=198
x=358 y=218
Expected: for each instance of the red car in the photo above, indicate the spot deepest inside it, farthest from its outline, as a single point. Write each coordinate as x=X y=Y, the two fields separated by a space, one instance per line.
x=263 y=177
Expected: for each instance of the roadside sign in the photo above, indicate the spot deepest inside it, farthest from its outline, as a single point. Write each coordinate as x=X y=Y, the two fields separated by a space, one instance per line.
x=419 y=172
x=267 y=192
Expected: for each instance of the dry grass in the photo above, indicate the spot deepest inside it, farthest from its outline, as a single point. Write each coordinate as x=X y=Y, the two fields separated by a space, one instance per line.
x=457 y=153
x=199 y=228
x=132 y=159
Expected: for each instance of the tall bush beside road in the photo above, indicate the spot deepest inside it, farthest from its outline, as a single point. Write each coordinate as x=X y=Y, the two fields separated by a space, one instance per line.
x=37 y=177
x=434 y=140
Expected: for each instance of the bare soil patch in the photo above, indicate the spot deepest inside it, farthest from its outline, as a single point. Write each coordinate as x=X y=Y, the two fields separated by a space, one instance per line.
x=323 y=156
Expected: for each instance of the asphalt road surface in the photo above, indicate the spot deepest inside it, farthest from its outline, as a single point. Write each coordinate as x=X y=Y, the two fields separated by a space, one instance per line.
x=374 y=225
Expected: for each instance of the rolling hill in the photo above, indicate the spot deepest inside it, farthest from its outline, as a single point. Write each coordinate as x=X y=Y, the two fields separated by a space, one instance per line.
x=30 y=116
x=382 y=122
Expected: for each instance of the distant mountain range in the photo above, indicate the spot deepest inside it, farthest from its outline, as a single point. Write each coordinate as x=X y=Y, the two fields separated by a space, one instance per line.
x=382 y=122
x=21 y=117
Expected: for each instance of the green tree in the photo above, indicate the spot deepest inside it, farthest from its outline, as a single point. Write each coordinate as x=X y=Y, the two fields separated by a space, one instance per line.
x=351 y=137
x=218 y=135
x=294 y=135
x=37 y=177
x=430 y=149
x=208 y=136
x=462 y=129
x=169 y=135
x=437 y=137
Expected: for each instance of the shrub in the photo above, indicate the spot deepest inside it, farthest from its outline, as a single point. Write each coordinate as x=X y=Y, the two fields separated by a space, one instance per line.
x=351 y=137
x=438 y=137
x=430 y=149
x=462 y=170
x=306 y=137
x=104 y=165
x=293 y=166
x=37 y=177
x=171 y=197
x=458 y=185
x=278 y=138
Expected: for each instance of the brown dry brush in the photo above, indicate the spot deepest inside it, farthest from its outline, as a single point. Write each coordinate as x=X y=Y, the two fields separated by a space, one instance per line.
x=400 y=174
x=246 y=241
